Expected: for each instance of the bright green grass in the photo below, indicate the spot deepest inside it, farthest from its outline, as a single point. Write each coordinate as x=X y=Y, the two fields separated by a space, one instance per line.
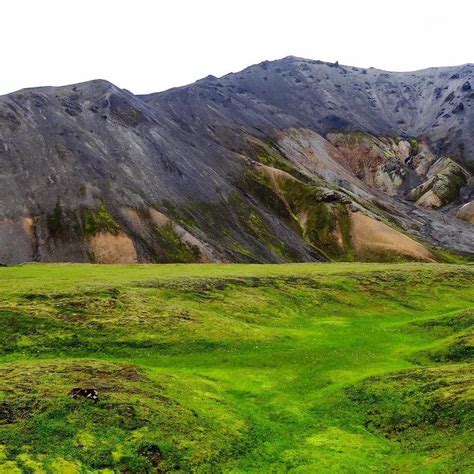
x=237 y=368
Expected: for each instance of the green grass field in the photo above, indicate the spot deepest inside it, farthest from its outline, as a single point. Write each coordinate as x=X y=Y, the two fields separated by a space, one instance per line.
x=237 y=368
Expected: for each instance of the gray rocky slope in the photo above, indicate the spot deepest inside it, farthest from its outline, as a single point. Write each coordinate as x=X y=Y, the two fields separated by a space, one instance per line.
x=290 y=160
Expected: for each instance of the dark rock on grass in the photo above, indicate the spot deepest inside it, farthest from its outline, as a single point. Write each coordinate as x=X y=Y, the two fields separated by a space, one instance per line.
x=152 y=453
x=88 y=393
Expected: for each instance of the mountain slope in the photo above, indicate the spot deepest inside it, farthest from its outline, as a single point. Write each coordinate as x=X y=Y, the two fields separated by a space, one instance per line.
x=275 y=163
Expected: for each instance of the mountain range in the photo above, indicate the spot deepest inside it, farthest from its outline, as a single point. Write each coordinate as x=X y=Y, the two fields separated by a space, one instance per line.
x=289 y=160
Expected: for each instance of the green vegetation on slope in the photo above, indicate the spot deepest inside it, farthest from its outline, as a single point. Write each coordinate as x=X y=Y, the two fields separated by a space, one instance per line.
x=98 y=220
x=55 y=220
x=171 y=247
x=269 y=154
x=306 y=210
x=237 y=368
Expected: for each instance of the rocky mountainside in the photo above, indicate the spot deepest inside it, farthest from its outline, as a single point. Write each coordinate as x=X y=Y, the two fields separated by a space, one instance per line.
x=290 y=160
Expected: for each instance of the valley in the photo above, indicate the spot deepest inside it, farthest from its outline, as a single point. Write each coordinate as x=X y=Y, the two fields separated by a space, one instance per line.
x=329 y=367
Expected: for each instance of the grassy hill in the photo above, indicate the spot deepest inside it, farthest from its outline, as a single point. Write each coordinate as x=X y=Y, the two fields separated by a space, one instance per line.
x=237 y=368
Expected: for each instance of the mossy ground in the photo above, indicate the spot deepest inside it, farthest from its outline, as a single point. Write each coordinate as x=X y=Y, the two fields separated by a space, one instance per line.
x=237 y=368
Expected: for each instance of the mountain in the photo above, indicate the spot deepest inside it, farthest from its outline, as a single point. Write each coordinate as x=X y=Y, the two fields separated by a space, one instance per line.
x=289 y=160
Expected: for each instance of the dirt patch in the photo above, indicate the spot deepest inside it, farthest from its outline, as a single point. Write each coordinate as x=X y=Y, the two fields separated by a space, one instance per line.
x=106 y=247
x=372 y=236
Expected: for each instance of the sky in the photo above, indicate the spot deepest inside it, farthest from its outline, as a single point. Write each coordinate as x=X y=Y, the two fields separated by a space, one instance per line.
x=151 y=45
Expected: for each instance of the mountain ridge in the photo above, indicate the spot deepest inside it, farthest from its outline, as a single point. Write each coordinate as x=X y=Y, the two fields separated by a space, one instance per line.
x=92 y=172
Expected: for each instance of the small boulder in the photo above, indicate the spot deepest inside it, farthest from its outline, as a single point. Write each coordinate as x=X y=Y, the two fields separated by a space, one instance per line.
x=89 y=393
x=152 y=453
x=466 y=212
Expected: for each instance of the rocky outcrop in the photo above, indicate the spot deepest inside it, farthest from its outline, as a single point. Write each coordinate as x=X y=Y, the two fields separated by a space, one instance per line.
x=444 y=182
x=380 y=162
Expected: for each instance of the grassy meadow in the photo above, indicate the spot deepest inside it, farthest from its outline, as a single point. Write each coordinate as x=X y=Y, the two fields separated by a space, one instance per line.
x=309 y=368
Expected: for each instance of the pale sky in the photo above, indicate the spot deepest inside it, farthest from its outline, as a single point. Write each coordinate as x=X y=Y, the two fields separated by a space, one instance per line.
x=148 y=46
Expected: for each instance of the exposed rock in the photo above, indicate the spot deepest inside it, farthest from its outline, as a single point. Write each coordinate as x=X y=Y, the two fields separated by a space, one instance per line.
x=207 y=254
x=459 y=108
x=442 y=187
x=88 y=393
x=380 y=162
x=430 y=200
x=152 y=453
x=466 y=212
x=18 y=240
x=318 y=157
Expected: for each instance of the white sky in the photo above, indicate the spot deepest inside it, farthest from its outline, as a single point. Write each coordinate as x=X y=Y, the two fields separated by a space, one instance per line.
x=151 y=45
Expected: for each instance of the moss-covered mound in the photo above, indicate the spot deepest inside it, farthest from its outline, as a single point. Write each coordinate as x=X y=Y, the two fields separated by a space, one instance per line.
x=419 y=409
x=134 y=427
x=455 y=335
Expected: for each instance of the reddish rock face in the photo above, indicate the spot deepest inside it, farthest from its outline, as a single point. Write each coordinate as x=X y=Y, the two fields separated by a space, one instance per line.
x=369 y=158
